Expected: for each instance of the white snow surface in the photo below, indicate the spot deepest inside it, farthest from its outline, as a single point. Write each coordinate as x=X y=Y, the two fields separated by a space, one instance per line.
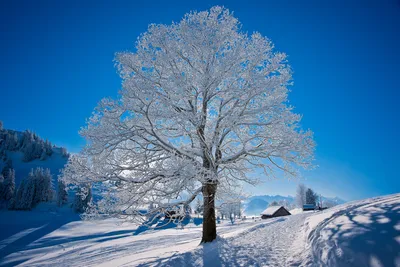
x=361 y=233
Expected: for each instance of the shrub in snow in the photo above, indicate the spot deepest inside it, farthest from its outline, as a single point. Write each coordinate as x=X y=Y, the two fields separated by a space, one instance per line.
x=198 y=207
x=83 y=197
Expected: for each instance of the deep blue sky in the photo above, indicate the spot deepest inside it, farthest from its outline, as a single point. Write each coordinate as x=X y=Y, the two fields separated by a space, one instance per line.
x=56 y=62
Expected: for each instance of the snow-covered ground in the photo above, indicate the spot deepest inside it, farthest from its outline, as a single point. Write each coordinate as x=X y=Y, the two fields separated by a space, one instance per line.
x=362 y=233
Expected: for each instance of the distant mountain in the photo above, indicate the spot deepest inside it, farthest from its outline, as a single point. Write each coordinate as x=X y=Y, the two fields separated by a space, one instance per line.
x=255 y=206
x=276 y=198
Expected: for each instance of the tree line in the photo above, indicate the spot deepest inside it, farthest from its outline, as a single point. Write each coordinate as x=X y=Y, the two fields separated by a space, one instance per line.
x=29 y=143
x=38 y=187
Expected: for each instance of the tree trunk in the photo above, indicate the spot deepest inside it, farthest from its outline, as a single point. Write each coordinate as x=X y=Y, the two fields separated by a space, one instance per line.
x=209 y=224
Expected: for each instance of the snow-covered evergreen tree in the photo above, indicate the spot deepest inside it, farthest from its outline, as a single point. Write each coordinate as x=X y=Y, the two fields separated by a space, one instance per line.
x=1 y=185
x=202 y=104
x=274 y=203
x=19 y=195
x=28 y=195
x=64 y=152
x=62 y=194
x=7 y=166
x=9 y=185
x=311 y=197
x=43 y=185
x=1 y=125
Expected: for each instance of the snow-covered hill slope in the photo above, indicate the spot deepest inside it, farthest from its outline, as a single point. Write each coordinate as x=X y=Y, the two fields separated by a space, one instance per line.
x=361 y=233
x=24 y=151
x=55 y=163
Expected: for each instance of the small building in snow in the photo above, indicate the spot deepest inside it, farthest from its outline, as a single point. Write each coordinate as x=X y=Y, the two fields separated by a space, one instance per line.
x=307 y=207
x=274 y=211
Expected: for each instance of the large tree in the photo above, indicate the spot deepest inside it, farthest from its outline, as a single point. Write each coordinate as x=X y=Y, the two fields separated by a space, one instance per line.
x=202 y=104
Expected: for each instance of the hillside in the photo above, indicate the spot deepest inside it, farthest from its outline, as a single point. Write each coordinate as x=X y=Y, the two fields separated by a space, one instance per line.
x=26 y=151
x=360 y=233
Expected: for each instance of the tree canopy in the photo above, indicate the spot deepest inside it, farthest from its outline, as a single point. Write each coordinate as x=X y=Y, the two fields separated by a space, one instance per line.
x=202 y=105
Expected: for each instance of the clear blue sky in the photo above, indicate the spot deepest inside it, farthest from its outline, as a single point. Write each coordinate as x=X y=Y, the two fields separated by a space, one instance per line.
x=56 y=62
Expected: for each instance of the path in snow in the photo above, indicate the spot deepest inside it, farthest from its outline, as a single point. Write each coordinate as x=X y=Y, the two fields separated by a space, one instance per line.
x=270 y=243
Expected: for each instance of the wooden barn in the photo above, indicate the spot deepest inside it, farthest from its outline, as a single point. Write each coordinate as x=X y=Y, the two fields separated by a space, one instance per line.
x=274 y=211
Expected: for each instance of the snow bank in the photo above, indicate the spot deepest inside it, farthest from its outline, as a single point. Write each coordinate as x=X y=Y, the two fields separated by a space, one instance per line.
x=362 y=233
x=296 y=211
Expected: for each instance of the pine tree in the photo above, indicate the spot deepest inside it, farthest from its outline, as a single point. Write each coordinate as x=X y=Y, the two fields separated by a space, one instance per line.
x=62 y=195
x=310 y=197
x=64 y=152
x=28 y=195
x=7 y=167
x=274 y=203
x=19 y=195
x=9 y=185
x=1 y=186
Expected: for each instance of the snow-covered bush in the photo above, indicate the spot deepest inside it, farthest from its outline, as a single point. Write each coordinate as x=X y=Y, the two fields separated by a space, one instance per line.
x=83 y=197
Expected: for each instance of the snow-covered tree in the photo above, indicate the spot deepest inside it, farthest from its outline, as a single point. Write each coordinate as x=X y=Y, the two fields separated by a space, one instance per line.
x=202 y=105
x=64 y=152
x=36 y=188
x=9 y=185
x=7 y=166
x=1 y=185
x=83 y=197
x=301 y=195
x=28 y=195
x=1 y=125
x=274 y=203
x=198 y=209
x=311 y=197
x=43 y=185
x=62 y=195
